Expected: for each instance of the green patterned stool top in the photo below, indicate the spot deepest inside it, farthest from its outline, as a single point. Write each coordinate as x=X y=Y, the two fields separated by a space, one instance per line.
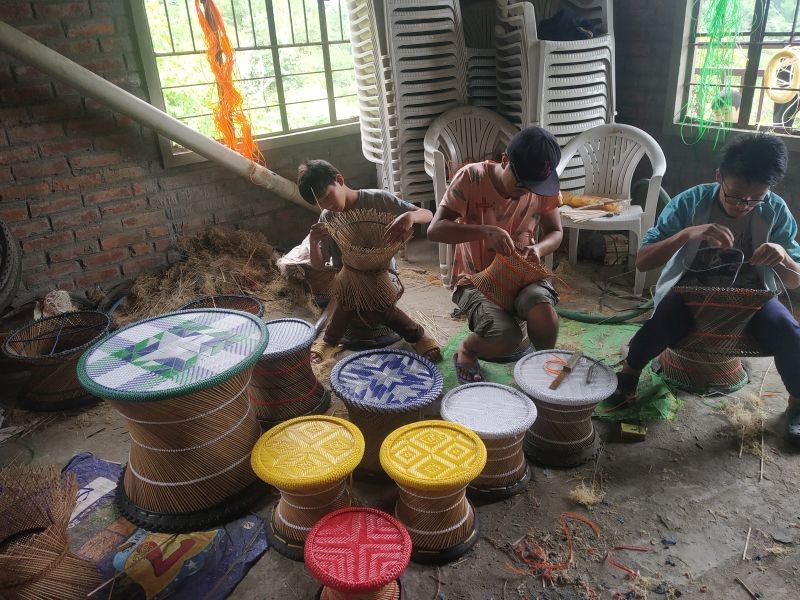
x=173 y=354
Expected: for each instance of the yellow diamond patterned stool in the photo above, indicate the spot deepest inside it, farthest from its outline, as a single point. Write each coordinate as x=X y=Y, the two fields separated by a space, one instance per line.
x=309 y=459
x=432 y=462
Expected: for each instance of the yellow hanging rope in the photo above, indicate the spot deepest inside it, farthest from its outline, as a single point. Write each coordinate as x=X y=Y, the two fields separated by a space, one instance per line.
x=230 y=120
x=778 y=90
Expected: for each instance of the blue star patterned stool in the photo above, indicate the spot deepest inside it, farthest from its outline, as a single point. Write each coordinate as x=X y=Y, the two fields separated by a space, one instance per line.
x=180 y=381
x=383 y=390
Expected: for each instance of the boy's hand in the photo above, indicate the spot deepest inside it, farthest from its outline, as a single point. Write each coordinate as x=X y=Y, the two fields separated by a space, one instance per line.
x=713 y=233
x=497 y=239
x=318 y=233
x=768 y=255
x=397 y=230
x=532 y=253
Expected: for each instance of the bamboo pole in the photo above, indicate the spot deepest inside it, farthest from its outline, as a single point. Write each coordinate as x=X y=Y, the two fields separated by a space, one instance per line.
x=28 y=50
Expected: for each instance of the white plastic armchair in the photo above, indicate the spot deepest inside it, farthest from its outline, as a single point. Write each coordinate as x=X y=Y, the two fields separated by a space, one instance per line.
x=461 y=135
x=610 y=155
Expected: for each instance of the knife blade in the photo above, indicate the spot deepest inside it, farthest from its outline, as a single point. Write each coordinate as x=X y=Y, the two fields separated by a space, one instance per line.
x=566 y=370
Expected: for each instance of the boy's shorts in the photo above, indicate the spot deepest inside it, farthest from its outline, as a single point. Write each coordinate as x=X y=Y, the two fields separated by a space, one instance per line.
x=489 y=321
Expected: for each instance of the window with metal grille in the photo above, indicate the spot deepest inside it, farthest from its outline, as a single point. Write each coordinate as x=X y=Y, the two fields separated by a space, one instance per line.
x=741 y=99
x=293 y=59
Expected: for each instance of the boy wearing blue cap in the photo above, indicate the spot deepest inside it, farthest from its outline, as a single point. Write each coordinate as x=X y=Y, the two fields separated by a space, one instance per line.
x=498 y=207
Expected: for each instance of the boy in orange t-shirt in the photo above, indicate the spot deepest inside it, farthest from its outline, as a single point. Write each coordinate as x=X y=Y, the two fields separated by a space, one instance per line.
x=492 y=207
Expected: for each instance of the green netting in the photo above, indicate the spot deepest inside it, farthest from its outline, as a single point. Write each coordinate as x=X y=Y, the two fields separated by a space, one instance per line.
x=604 y=342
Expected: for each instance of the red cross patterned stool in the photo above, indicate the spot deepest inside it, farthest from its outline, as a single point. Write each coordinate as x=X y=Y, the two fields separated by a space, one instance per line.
x=358 y=553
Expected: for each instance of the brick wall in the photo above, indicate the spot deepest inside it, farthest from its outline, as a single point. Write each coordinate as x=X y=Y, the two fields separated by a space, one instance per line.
x=644 y=36
x=84 y=189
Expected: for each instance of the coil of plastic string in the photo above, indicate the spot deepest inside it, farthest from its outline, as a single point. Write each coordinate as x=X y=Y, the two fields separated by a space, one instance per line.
x=35 y=561
x=283 y=384
x=383 y=390
x=309 y=460
x=432 y=462
x=358 y=554
x=180 y=381
x=563 y=434
x=51 y=348
x=228 y=301
x=501 y=416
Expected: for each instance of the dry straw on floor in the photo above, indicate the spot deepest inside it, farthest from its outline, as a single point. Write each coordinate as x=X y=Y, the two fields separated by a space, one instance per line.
x=216 y=261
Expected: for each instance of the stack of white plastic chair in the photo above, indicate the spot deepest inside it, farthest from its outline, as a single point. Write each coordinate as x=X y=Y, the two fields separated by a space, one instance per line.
x=376 y=112
x=517 y=62
x=428 y=77
x=564 y=86
x=479 y=19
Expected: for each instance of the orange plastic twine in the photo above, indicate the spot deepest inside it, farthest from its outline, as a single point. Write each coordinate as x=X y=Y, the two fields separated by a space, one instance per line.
x=229 y=115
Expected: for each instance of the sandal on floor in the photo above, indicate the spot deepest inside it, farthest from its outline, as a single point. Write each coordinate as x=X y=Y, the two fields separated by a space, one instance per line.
x=323 y=351
x=792 y=427
x=428 y=348
x=471 y=371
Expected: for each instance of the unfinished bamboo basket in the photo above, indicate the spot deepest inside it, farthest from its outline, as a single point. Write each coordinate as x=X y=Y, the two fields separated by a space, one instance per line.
x=503 y=279
x=283 y=385
x=383 y=390
x=180 y=381
x=51 y=348
x=720 y=316
x=363 y=284
x=309 y=460
x=432 y=462
x=358 y=554
x=35 y=561
x=501 y=416
x=229 y=302
x=563 y=434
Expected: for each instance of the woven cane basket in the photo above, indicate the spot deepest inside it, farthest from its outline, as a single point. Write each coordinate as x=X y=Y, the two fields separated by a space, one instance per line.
x=358 y=554
x=720 y=317
x=432 y=462
x=309 y=460
x=383 y=390
x=180 y=381
x=563 y=434
x=699 y=373
x=364 y=283
x=283 y=386
x=501 y=416
x=51 y=348
x=230 y=302
x=503 y=279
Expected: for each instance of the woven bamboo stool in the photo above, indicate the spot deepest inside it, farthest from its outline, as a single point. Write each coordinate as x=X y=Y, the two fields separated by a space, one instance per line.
x=500 y=415
x=432 y=462
x=180 y=381
x=563 y=434
x=700 y=373
x=310 y=460
x=503 y=279
x=229 y=301
x=383 y=390
x=283 y=385
x=51 y=348
x=358 y=554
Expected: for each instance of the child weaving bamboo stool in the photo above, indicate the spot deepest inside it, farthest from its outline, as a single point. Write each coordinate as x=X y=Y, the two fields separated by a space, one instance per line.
x=180 y=382
x=739 y=211
x=432 y=462
x=358 y=554
x=309 y=459
x=359 y=231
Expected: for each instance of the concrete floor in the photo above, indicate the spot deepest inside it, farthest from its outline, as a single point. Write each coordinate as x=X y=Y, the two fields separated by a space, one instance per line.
x=686 y=481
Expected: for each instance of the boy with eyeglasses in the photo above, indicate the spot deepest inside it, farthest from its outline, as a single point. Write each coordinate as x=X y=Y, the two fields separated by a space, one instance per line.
x=739 y=213
x=498 y=207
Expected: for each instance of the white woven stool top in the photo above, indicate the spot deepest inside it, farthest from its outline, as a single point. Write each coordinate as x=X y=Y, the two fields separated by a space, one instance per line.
x=287 y=336
x=489 y=409
x=534 y=380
